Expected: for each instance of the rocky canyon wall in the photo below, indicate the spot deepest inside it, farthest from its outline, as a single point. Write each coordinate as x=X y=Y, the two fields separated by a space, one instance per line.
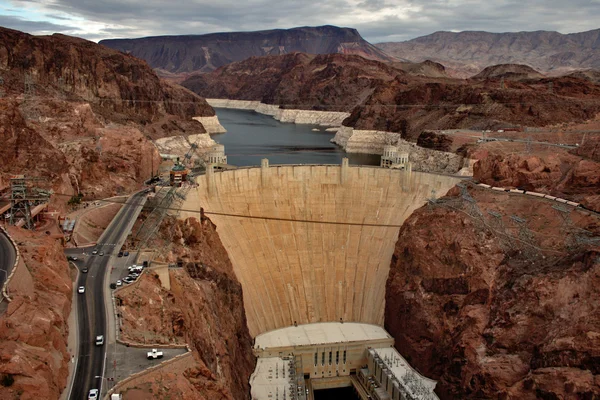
x=34 y=355
x=203 y=308
x=493 y=309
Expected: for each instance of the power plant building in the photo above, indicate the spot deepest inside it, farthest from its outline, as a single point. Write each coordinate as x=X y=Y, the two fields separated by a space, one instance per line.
x=334 y=355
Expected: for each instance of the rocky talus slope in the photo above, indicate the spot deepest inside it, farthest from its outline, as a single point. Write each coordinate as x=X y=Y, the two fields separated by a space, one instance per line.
x=384 y=98
x=205 y=53
x=203 y=308
x=33 y=330
x=493 y=310
x=467 y=53
x=83 y=115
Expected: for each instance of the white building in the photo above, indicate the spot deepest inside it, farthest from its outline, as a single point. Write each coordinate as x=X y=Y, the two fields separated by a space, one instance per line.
x=216 y=155
x=391 y=159
x=333 y=355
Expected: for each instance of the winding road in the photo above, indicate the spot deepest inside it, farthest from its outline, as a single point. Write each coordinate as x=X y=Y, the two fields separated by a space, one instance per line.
x=8 y=256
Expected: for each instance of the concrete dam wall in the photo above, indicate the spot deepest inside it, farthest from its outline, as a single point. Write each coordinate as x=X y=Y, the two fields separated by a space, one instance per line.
x=331 y=265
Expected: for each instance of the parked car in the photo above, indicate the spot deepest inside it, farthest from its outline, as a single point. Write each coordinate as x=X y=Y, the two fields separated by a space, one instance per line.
x=154 y=354
x=126 y=253
x=128 y=279
x=120 y=254
x=119 y=283
x=101 y=253
x=99 y=340
x=93 y=394
x=81 y=289
x=95 y=251
x=71 y=258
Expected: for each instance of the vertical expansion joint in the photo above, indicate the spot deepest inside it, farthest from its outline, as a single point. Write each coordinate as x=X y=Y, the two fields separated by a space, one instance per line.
x=344 y=171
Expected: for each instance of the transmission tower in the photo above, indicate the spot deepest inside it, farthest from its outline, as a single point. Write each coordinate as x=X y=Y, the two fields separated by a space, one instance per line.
x=525 y=236
x=496 y=225
x=22 y=198
x=528 y=145
x=29 y=87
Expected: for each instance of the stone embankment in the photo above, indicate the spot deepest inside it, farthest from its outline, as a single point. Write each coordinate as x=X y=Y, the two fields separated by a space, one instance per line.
x=180 y=145
x=211 y=124
x=323 y=118
x=422 y=159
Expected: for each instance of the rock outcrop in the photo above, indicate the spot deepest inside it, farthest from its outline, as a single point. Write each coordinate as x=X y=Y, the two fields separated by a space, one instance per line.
x=203 y=308
x=82 y=115
x=34 y=355
x=467 y=53
x=190 y=53
x=512 y=72
x=492 y=313
x=557 y=173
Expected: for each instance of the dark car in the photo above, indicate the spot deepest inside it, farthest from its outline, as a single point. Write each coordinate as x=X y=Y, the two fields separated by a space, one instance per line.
x=126 y=253
x=71 y=258
x=85 y=270
x=120 y=254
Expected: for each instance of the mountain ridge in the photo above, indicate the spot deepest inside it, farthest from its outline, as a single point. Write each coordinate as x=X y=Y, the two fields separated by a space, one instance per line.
x=467 y=53
x=205 y=53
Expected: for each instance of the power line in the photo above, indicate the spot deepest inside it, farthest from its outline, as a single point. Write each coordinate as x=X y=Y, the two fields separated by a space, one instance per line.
x=310 y=106
x=310 y=221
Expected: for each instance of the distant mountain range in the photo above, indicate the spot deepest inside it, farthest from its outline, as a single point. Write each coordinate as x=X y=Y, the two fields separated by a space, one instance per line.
x=204 y=53
x=466 y=53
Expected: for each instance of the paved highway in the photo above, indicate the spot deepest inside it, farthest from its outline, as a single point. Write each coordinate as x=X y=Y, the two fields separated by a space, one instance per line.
x=91 y=317
x=7 y=257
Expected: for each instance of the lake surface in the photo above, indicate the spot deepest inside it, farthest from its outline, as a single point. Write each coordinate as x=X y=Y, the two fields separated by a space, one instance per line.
x=252 y=136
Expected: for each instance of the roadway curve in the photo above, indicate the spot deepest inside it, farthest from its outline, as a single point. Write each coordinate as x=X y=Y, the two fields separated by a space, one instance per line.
x=91 y=307
x=8 y=255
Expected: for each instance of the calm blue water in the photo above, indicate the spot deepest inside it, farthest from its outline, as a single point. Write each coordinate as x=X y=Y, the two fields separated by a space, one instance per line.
x=252 y=136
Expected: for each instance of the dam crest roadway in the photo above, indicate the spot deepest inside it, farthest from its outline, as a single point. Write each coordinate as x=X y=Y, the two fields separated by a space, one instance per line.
x=324 y=252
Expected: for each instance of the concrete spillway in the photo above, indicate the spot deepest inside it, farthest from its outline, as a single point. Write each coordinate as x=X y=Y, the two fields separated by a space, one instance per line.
x=306 y=272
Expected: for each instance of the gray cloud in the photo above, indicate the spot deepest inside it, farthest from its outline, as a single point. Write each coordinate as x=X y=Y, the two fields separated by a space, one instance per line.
x=376 y=20
x=37 y=27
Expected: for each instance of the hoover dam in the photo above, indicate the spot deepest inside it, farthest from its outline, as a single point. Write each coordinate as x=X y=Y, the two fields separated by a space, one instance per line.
x=311 y=243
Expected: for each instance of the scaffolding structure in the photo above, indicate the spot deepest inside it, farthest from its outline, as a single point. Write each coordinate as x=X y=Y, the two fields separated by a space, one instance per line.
x=23 y=198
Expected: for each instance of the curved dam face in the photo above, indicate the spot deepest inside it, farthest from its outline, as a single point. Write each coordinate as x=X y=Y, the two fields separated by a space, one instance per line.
x=323 y=254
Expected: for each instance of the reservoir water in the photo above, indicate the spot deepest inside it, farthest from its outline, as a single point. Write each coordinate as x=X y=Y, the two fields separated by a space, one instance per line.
x=252 y=136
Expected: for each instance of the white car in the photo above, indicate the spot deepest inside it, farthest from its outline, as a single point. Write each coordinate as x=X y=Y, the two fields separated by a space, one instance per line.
x=93 y=395
x=99 y=340
x=94 y=252
x=119 y=283
x=81 y=289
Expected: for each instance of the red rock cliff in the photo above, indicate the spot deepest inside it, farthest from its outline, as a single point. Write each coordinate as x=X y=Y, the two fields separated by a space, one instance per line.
x=494 y=309
x=33 y=330
x=203 y=308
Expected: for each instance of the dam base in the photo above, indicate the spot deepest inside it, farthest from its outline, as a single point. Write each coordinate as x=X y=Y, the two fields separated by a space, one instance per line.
x=294 y=362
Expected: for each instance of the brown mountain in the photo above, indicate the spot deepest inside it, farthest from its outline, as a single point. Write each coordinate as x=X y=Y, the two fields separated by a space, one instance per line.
x=189 y=53
x=382 y=97
x=82 y=115
x=467 y=53
x=513 y=72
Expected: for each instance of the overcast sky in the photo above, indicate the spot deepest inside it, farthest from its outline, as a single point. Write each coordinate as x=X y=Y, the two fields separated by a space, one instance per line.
x=376 y=20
